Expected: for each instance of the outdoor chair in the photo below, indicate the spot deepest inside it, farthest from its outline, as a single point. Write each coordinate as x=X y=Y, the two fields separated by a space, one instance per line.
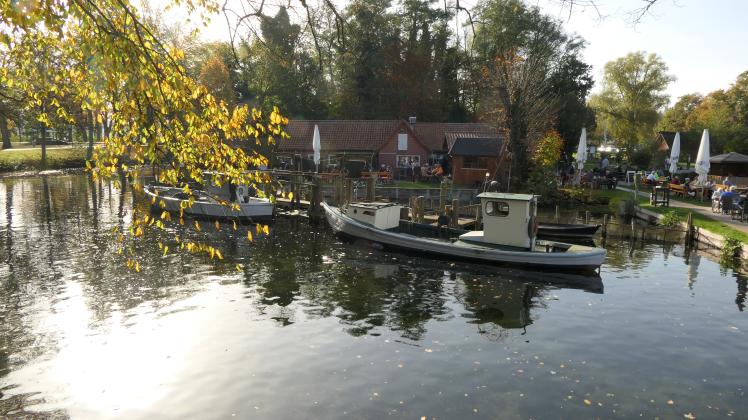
x=738 y=209
x=726 y=205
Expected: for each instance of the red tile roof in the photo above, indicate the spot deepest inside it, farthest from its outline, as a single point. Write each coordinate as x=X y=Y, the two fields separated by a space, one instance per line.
x=370 y=135
x=339 y=135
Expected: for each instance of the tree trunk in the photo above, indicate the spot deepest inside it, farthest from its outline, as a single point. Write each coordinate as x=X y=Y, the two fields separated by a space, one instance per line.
x=89 y=136
x=43 y=143
x=5 y=132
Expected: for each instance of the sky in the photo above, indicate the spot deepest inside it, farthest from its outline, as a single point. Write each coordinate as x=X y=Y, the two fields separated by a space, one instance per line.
x=703 y=42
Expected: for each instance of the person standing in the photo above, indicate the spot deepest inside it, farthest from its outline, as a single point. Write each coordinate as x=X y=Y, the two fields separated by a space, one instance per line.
x=604 y=163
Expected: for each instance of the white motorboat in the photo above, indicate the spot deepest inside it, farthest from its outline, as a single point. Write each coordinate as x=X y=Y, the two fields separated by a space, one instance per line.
x=509 y=234
x=214 y=202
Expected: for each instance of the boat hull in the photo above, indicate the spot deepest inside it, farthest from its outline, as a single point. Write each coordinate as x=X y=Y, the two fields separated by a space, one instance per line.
x=576 y=256
x=256 y=209
x=556 y=230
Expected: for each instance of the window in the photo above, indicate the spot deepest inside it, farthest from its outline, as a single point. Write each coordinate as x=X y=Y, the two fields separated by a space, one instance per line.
x=475 y=162
x=497 y=208
x=402 y=141
x=404 y=161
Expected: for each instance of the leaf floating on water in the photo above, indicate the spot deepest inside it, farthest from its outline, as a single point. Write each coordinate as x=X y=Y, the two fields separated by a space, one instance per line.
x=670 y=402
x=587 y=402
x=197 y=226
x=428 y=350
x=218 y=225
x=234 y=224
x=239 y=268
x=689 y=416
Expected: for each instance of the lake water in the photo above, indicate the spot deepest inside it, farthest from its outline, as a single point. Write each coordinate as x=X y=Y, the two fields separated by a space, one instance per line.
x=313 y=327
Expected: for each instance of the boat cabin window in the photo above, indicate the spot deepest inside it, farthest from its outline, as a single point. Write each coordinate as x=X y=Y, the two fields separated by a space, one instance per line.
x=497 y=208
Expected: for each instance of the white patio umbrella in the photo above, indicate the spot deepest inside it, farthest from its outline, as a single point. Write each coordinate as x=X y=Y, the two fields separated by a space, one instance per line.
x=581 y=155
x=702 y=158
x=675 y=153
x=317 y=146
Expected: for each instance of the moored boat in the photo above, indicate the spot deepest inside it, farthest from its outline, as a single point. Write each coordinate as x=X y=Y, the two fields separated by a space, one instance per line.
x=214 y=203
x=571 y=231
x=509 y=235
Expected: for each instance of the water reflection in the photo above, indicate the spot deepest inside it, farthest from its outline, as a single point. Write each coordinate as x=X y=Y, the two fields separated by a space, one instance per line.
x=96 y=340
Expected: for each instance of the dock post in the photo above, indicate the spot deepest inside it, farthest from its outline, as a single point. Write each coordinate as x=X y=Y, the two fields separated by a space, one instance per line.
x=419 y=208
x=442 y=196
x=557 y=214
x=299 y=187
x=371 y=188
x=315 y=210
x=348 y=190
x=689 y=229
x=455 y=213
x=605 y=225
x=586 y=217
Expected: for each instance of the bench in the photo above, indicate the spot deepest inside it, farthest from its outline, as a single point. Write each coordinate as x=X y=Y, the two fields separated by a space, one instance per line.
x=678 y=189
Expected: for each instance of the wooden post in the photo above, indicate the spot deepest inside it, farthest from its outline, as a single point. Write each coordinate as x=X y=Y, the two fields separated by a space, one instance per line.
x=315 y=209
x=455 y=213
x=605 y=225
x=348 y=190
x=586 y=217
x=442 y=195
x=689 y=229
x=371 y=188
x=412 y=207
x=419 y=208
x=299 y=187
x=557 y=214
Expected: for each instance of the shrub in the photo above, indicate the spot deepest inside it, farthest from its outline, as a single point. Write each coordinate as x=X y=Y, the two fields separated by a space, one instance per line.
x=730 y=251
x=670 y=219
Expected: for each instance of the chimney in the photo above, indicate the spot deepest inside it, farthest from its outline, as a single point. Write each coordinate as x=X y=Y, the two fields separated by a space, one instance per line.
x=412 y=121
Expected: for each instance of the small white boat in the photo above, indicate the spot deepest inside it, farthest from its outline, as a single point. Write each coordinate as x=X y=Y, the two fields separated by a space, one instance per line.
x=214 y=203
x=509 y=234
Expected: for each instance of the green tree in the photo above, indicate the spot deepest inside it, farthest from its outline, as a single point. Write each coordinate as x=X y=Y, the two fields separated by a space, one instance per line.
x=632 y=97
x=521 y=56
x=676 y=117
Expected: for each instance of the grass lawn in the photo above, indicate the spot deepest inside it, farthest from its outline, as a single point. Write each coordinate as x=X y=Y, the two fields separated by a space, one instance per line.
x=700 y=220
x=28 y=159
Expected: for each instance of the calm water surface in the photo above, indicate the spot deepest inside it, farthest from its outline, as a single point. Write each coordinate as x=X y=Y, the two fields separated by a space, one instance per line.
x=312 y=327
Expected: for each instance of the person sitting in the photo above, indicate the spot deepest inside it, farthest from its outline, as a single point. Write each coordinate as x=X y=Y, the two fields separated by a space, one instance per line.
x=727 y=198
x=716 y=203
x=675 y=181
x=651 y=178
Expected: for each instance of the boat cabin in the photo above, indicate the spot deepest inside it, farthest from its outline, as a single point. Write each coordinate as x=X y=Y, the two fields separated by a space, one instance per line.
x=508 y=219
x=380 y=215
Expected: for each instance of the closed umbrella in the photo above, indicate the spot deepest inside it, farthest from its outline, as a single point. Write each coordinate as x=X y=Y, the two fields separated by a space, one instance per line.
x=702 y=158
x=675 y=154
x=317 y=146
x=581 y=155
